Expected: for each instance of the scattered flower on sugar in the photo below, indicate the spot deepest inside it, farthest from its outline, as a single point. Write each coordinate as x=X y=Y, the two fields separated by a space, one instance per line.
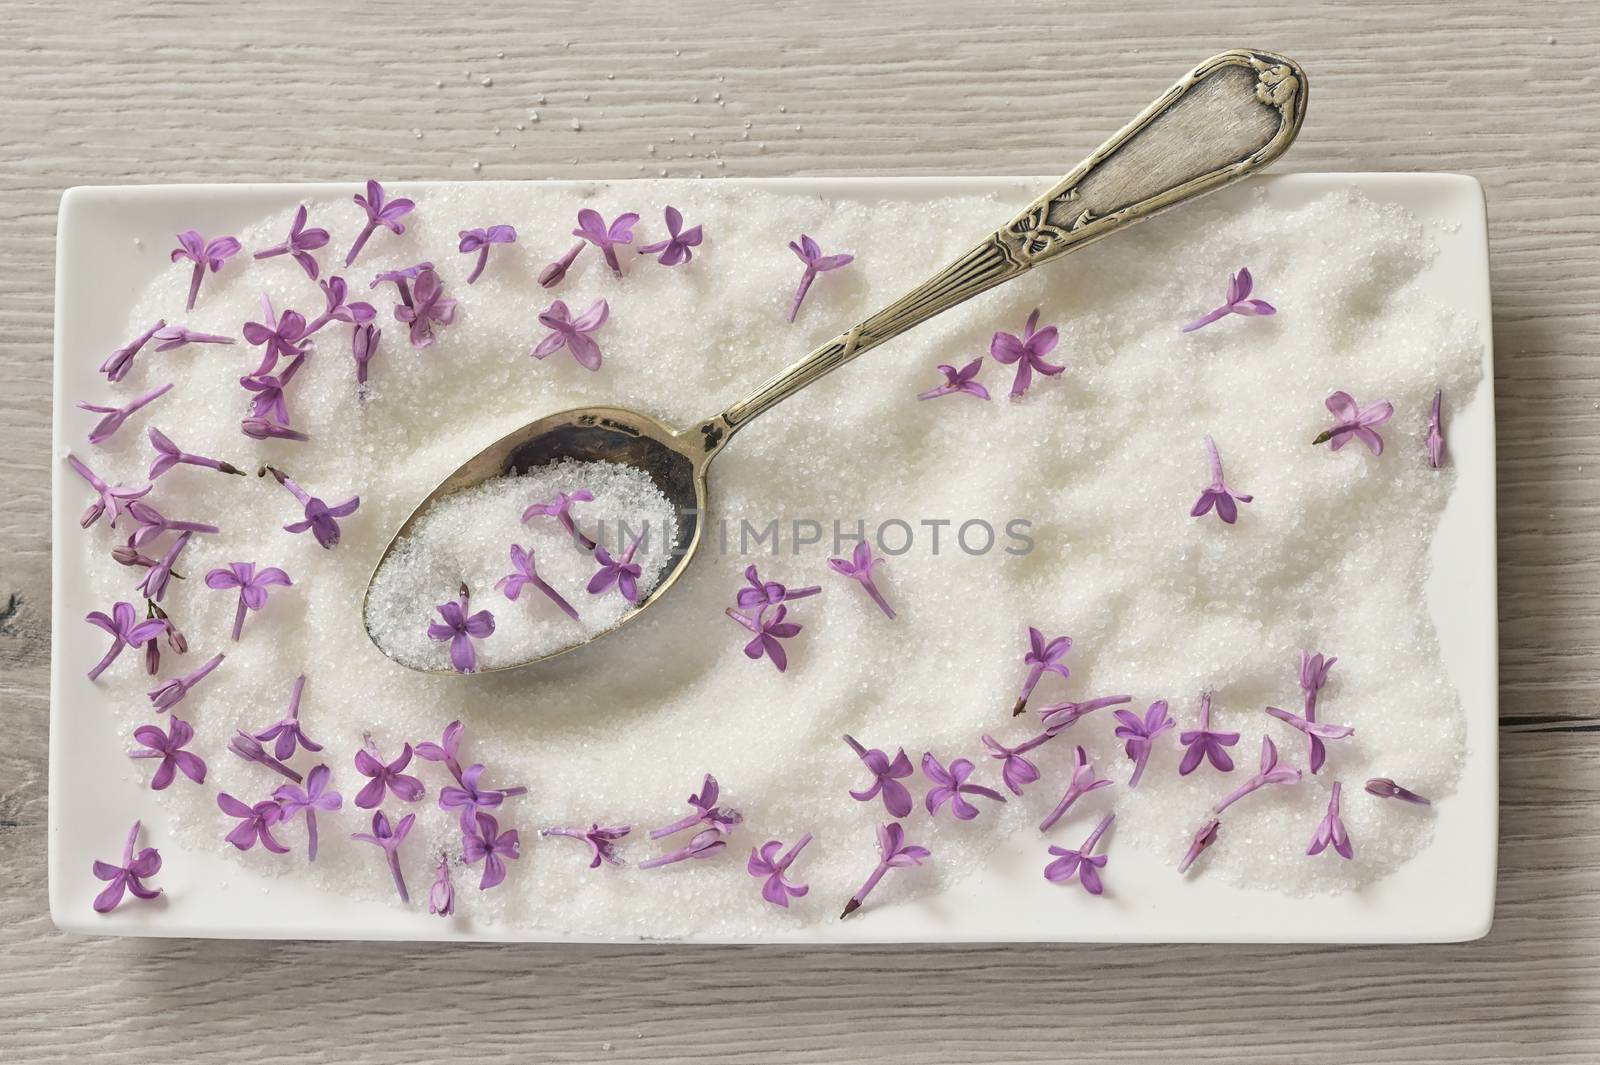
x=759 y=593
x=387 y=777
x=255 y=823
x=601 y=841
x=680 y=243
x=480 y=241
x=129 y=877
x=363 y=346
x=1028 y=352
x=1240 y=286
x=1015 y=769
x=169 y=455
x=962 y=380
x=1270 y=773
x=244 y=746
x=336 y=293
x=112 y=418
x=1083 y=781
x=561 y=509
x=1139 y=736
x=314 y=797
x=319 y=517
x=152 y=524
x=1355 y=422
x=765 y=862
x=172 y=337
x=169 y=747
x=893 y=853
x=572 y=333
x=768 y=630
x=810 y=253
x=487 y=844
x=117 y=365
x=442 y=893
x=154 y=584
x=1314 y=730
x=460 y=628
x=1435 y=433
x=706 y=813
x=468 y=799
x=1384 y=788
x=1059 y=717
x=1204 y=743
x=299 y=244
x=1218 y=495
x=401 y=279
x=429 y=311
x=1081 y=863
x=592 y=228
x=285 y=733
x=266 y=429
x=107 y=497
x=252 y=586
x=859 y=569
x=381 y=211
x=703 y=845
x=623 y=571
x=950 y=786
x=284 y=336
x=886 y=776
x=1331 y=831
x=523 y=573
x=206 y=255
x=389 y=839
x=1043 y=656
x=1205 y=837
x=553 y=273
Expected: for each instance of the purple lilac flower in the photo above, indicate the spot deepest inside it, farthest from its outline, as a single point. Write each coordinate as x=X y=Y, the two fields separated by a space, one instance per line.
x=119 y=362
x=601 y=841
x=1140 y=736
x=1330 y=830
x=169 y=747
x=205 y=255
x=766 y=862
x=1238 y=302
x=153 y=524
x=593 y=228
x=469 y=799
x=893 y=853
x=1270 y=773
x=363 y=346
x=382 y=835
x=286 y=336
x=950 y=785
x=572 y=333
x=388 y=776
x=1203 y=743
x=759 y=593
x=316 y=796
x=442 y=894
x=962 y=380
x=255 y=823
x=169 y=455
x=266 y=429
x=461 y=629
x=810 y=253
x=336 y=293
x=113 y=417
x=129 y=877
x=1313 y=675
x=1062 y=716
x=300 y=243
x=1218 y=495
x=768 y=631
x=124 y=628
x=561 y=510
x=1384 y=788
x=1082 y=783
x=1016 y=770
x=680 y=243
x=623 y=572
x=431 y=309
x=319 y=517
x=552 y=274
x=706 y=812
x=859 y=569
x=886 y=776
x=269 y=402
x=1355 y=422
x=487 y=844
x=401 y=280
x=286 y=733
x=381 y=211
x=523 y=573
x=172 y=337
x=1028 y=352
x=447 y=751
x=244 y=746
x=107 y=497
x=1205 y=837
x=480 y=241
x=124 y=555
x=1081 y=863
x=1435 y=433
x=1313 y=730
x=701 y=845
x=154 y=584
x=252 y=587
x=1043 y=656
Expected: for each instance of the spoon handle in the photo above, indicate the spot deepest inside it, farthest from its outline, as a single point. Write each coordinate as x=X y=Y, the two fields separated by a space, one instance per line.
x=1227 y=118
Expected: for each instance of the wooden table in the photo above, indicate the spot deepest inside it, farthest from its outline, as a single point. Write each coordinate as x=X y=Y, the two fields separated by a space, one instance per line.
x=203 y=90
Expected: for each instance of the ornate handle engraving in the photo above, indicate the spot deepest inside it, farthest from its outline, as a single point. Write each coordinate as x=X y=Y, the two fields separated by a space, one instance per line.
x=1230 y=116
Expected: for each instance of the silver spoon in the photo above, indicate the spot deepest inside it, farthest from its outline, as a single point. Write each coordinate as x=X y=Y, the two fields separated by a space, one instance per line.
x=1229 y=117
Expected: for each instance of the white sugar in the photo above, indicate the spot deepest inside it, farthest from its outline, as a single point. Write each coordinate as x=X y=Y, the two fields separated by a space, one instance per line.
x=1102 y=462
x=466 y=538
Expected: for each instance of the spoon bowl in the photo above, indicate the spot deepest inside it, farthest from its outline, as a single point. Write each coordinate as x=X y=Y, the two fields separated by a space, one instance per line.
x=1227 y=118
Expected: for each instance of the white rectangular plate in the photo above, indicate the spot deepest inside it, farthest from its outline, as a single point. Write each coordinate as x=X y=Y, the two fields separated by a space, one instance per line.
x=1444 y=894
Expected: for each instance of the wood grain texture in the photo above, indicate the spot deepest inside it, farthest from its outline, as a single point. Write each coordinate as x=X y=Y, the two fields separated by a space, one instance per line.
x=189 y=90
